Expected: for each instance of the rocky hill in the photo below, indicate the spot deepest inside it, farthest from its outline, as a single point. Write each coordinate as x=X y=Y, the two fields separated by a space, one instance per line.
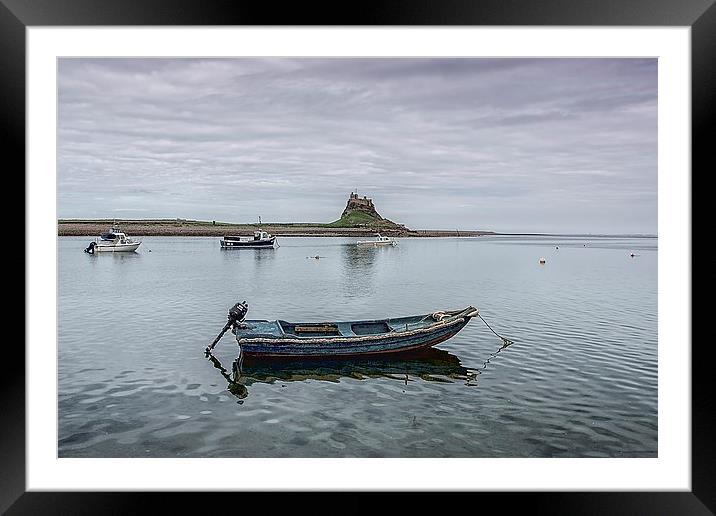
x=360 y=212
x=363 y=205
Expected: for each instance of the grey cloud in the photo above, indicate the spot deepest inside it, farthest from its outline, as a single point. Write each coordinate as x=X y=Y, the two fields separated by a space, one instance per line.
x=474 y=143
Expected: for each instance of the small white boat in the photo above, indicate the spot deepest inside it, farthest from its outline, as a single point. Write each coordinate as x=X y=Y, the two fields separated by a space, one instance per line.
x=379 y=240
x=113 y=241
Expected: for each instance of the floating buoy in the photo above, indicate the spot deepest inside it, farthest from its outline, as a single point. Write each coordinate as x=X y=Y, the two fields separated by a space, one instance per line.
x=542 y=260
x=557 y=247
x=632 y=255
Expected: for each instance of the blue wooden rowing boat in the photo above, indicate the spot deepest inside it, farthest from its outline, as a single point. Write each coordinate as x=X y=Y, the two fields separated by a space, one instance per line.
x=264 y=338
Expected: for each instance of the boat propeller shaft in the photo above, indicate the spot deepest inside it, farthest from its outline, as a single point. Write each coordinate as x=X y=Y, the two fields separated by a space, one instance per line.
x=235 y=316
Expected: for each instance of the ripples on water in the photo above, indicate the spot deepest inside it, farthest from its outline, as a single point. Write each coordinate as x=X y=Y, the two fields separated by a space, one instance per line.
x=580 y=379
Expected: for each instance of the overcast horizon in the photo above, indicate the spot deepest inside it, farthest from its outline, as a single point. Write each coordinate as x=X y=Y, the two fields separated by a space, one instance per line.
x=507 y=145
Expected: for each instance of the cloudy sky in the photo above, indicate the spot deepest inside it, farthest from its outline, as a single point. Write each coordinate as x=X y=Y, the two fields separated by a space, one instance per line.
x=537 y=145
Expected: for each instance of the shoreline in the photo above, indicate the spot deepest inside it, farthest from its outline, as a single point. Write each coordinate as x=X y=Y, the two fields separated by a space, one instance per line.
x=195 y=228
x=93 y=228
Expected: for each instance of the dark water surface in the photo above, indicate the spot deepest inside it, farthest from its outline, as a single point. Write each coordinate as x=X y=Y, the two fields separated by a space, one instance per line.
x=580 y=379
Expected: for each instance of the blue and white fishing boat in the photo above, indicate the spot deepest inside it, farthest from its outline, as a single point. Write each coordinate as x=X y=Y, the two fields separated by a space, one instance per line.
x=260 y=240
x=279 y=338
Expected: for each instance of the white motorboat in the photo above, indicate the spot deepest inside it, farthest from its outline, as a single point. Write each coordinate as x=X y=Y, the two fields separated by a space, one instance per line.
x=113 y=241
x=379 y=240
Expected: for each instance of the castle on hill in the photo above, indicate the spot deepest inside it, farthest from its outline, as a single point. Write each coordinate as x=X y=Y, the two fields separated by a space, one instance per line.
x=363 y=204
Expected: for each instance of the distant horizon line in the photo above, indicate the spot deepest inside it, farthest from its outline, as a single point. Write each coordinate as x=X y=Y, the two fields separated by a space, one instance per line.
x=510 y=233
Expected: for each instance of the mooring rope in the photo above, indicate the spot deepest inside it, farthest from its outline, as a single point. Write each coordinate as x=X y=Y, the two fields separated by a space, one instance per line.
x=506 y=341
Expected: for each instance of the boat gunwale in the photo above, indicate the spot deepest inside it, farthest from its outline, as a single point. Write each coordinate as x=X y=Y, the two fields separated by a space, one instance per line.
x=453 y=317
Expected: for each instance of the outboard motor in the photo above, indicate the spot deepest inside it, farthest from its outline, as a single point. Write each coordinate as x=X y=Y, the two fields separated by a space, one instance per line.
x=90 y=247
x=236 y=315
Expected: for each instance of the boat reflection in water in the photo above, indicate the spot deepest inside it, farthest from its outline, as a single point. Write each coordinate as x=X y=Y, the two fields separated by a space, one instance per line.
x=430 y=364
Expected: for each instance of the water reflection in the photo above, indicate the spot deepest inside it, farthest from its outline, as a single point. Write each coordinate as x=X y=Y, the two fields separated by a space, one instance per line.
x=359 y=263
x=258 y=256
x=126 y=255
x=431 y=365
x=100 y=260
x=359 y=258
x=132 y=255
x=235 y=387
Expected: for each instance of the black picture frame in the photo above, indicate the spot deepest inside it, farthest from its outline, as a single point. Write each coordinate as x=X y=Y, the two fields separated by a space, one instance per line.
x=699 y=15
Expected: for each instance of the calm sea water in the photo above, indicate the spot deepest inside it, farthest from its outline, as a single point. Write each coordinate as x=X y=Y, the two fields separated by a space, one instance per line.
x=580 y=379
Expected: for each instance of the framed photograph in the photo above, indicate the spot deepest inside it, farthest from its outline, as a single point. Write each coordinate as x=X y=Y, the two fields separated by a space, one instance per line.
x=441 y=249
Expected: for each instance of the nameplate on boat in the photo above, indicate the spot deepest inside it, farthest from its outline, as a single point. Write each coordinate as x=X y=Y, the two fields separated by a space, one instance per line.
x=315 y=329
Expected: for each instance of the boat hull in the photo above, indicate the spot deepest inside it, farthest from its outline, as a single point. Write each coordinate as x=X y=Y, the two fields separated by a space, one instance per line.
x=274 y=350
x=228 y=243
x=119 y=248
x=409 y=340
